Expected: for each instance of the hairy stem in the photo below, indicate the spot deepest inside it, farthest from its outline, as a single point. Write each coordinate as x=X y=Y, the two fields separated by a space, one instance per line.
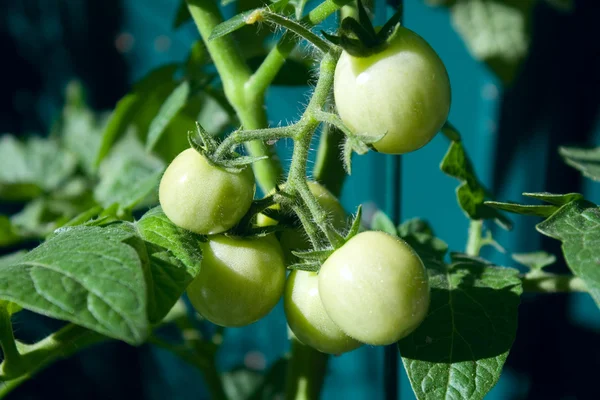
x=12 y=357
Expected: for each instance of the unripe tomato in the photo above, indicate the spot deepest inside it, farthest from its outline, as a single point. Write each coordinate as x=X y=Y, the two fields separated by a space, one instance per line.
x=403 y=90
x=204 y=198
x=240 y=280
x=375 y=288
x=307 y=318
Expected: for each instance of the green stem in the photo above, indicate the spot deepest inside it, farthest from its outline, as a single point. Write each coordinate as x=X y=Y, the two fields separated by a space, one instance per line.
x=329 y=168
x=542 y=282
x=12 y=358
x=242 y=136
x=474 y=241
x=235 y=73
x=306 y=372
x=61 y=344
x=268 y=70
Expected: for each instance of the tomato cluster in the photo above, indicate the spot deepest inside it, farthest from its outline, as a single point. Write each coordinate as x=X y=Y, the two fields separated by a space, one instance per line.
x=374 y=288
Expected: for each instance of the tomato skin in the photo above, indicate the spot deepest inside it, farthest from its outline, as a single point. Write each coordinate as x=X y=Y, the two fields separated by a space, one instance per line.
x=375 y=288
x=403 y=90
x=240 y=280
x=204 y=198
x=307 y=318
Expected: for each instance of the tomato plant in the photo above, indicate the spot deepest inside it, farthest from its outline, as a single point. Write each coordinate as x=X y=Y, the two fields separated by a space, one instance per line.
x=204 y=198
x=241 y=280
x=111 y=235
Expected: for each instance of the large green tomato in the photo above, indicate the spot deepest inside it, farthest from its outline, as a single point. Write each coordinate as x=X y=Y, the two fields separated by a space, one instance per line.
x=204 y=198
x=375 y=288
x=240 y=281
x=307 y=317
x=403 y=90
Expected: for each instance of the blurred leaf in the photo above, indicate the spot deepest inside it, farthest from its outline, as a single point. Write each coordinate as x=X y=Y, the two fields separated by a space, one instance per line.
x=459 y=349
x=69 y=277
x=8 y=232
x=577 y=226
x=80 y=129
x=495 y=31
x=381 y=222
x=128 y=176
x=419 y=235
x=245 y=384
x=29 y=168
x=562 y=5
x=470 y=193
x=587 y=161
x=169 y=109
x=134 y=107
x=535 y=261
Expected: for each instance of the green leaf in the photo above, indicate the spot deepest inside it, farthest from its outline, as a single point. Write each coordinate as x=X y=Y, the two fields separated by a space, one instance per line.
x=523 y=209
x=85 y=275
x=577 y=226
x=175 y=259
x=587 y=161
x=535 y=261
x=313 y=255
x=183 y=15
x=7 y=260
x=29 y=168
x=174 y=103
x=471 y=193
x=132 y=106
x=495 y=31
x=381 y=222
x=233 y=24
x=128 y=176
x=459 y=349
x=556 y=199
x=8 y=232
x=419 y=235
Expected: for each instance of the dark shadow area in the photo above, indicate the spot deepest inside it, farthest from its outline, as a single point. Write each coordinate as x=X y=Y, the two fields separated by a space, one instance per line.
x=556 y=97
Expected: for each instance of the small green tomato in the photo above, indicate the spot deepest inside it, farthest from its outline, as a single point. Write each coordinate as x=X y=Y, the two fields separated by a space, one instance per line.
x=307 y=317
x=240 y=280
x=375 y=288
x=203 y=198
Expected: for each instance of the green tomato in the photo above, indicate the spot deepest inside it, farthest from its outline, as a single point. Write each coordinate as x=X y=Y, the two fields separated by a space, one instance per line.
x=403 y=91
x=307 y=318
x=240 y=280
x=375 y=288
x=202 y=197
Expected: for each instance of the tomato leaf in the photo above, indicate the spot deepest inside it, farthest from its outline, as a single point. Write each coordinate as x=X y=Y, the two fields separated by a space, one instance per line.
x=459 y=349
x=381 y=222
x=577 y=226
x=523 y=209
x=132 y=105
x=72 y=277
x=175 y=258
x=495 y=31
x=233 y=24
x=172 y=105
x=9 y=234
x=535 y=261
x=556 y=199
x=29 y=168
x=129 y=176
x=471 y=193
x=587 y=161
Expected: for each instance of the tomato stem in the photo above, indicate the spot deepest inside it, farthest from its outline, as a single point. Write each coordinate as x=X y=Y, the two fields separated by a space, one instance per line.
x=12 y=358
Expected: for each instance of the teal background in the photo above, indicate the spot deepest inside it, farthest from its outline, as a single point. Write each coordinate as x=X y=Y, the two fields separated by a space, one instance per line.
x=510 y=133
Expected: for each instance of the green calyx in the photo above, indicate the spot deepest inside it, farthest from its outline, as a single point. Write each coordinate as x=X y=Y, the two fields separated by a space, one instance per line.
x=360 y=38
